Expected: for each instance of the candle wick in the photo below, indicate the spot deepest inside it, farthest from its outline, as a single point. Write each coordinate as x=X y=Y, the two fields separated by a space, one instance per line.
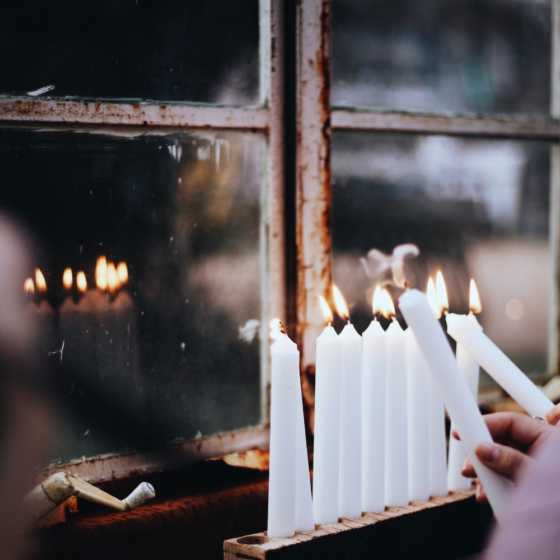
x=329 y=323
x=348 y=321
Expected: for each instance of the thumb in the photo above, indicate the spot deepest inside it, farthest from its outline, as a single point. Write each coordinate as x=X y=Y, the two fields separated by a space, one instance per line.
x=502 y=459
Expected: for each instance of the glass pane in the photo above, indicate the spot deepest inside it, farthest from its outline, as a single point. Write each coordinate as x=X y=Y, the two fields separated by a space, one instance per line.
x=166 y=51
x=475 y=208
x=436 y=55
x=174 y=353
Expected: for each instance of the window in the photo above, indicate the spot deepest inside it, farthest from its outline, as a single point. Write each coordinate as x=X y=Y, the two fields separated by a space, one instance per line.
x=199 y=145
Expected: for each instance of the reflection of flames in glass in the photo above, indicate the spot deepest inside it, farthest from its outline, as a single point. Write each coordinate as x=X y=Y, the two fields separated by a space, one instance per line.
x=29 y=286
x=67 y=278
x=122 y=272
x=432 y=298
x=40 y=281
x=340 y=302
x=474 y=299
x=441 y=293
x=325 y=308
x=81 y=282
x=387 y=306
x=101 y=273
x=113 y=282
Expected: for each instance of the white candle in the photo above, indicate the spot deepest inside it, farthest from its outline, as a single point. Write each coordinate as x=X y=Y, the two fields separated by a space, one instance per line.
x=327 y=426
x=283 y=437
x=396 y=441
x=304 y=502
x=438 y=445
x=350 y=477
x=498 y=365
x=455 y=391
x=418 y=422
x=374 y=366
x=469 y=368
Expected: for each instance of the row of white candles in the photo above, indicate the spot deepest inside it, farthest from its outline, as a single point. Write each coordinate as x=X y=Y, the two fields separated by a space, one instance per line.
x=108 y=277
x=379 y=437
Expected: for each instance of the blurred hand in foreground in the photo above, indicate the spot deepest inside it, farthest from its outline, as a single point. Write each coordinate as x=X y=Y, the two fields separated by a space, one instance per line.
x=516 y=438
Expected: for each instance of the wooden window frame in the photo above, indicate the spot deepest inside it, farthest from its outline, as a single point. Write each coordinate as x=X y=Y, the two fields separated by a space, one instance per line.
x=298 y=251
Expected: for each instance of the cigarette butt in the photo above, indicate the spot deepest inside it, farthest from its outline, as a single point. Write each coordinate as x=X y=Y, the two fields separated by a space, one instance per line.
x=142 y=494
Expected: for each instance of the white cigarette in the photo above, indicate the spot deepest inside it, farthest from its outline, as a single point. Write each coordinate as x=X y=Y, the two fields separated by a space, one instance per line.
x=59 y=487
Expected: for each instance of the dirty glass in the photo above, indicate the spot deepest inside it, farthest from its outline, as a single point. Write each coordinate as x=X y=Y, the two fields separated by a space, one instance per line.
x=475 y=208
x=436 y=55
x=173 y=353
x=166 y=50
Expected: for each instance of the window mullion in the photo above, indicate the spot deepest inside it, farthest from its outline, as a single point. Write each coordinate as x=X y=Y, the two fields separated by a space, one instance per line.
x=313 y=182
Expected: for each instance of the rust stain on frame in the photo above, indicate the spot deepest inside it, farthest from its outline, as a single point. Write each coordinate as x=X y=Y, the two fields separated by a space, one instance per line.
x=53 y=111
x=314 y=198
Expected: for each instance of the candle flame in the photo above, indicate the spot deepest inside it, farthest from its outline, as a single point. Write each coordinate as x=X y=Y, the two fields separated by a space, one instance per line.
x=474 y=299
x=325 y=308
x=276 y=328
x=432 y=298
x=377 y=301
x=113 y=282
x=122 y=272
x=441 y=293
x=387 y=306
x=81 y=282
x=101 y=273
x=40 y=281
x=67 y=278
x=340 y=302
x=29 y=286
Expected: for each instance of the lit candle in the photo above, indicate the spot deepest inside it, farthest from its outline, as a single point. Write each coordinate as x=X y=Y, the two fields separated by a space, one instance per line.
x=436 y=429
x=498 y=365
x=469 y=368
x=327 y=423
x=418 y=422
x=350 y=476
x=374 y=371
x=283 y=438
x=396 y=440
x=455 y=391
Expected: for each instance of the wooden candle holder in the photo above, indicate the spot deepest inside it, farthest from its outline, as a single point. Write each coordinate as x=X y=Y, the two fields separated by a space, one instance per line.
x=446 y=527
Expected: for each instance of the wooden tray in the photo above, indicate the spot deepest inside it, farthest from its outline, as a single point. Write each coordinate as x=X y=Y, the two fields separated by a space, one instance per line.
x=447 y=527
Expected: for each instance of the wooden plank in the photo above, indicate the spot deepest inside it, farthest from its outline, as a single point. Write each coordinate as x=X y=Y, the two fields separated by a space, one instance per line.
x=445 y=527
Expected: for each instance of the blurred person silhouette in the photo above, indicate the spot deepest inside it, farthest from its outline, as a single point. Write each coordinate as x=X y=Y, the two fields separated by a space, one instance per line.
x=25 y=410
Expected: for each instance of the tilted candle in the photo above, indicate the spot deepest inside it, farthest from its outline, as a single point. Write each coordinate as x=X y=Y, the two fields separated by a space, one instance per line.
x=455 y=391
x=498 y=365
x=469 y=368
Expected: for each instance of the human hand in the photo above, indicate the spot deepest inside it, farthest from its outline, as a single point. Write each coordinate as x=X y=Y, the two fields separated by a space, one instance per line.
x=553 y=415
x=516 y=437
